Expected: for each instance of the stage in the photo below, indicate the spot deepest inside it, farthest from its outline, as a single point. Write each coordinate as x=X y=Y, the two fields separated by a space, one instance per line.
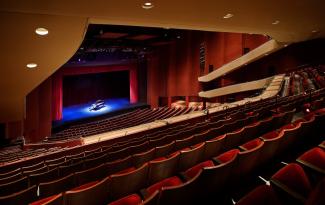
x=83 y=113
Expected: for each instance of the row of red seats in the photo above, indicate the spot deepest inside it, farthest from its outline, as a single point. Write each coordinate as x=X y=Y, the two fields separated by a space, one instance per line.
x=300 y=182
x=133 y=119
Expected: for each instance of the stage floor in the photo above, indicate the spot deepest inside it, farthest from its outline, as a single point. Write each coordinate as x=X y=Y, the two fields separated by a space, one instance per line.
x=78 y=112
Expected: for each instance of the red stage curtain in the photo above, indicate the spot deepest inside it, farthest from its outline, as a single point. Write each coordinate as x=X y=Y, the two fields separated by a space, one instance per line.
x=57 y=96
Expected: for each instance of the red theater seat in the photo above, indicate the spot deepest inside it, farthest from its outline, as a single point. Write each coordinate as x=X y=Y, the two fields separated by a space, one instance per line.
x=192 y=172
x=293 y=181
x=213 y=147
x=191 y=157
x=20 y=198
x=227 y=156
x=128 y=183
x=248 y=159
x=270 y=135
x=185 y=193
x=316 y=197
x=97 y=194
x=314 y=159
x=262 y=195
x=84 y=186
x=251 y=144
x=132 y=199
x=286 y=127
x=52 y=200
x=171 y=181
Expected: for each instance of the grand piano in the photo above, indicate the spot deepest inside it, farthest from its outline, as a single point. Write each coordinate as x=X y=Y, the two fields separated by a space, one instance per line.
x=99 y=104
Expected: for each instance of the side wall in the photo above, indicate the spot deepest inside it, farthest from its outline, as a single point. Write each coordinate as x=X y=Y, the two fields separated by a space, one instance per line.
x=38 y=112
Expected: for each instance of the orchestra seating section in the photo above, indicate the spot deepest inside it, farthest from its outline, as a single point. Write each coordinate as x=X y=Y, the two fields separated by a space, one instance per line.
x=130 y=119
x=194 y=161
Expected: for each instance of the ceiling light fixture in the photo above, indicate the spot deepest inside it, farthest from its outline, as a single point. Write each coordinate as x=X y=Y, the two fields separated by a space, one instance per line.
x=276 y=22
x=314 y=31
x=285 y=45
x=266 y=54
x=147 y=5
x=41 y=31
x=227 y=16
x=31 y=65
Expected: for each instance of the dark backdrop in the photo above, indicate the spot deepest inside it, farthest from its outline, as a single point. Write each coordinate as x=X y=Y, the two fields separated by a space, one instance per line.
x=80 y=89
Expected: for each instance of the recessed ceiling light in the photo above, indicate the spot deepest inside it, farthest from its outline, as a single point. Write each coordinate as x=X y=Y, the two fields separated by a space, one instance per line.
x=41 y=31
x=314 y=31
x=31 y=65
x=285 y=45
x=276 y=22
x=147 y=5
x=266 y=54
x=227 y=16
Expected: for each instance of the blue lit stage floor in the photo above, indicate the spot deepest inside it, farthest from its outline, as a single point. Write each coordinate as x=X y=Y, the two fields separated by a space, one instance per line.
x=80 y=113
x=77 y=112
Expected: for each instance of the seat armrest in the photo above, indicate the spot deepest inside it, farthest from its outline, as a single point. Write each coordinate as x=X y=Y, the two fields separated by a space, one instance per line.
x=144 y=194
x=183 y=177
x=241 y=148
x=216 y=161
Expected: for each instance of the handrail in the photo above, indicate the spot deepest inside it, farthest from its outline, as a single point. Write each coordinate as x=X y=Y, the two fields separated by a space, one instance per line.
x=241 y=87
x=255 y=54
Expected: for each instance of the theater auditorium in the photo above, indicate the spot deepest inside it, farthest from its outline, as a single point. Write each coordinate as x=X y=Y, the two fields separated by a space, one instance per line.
x=171 y=102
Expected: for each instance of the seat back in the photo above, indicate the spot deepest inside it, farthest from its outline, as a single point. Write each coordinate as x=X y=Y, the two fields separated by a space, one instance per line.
x=43 y=177
x=57 y=186
x=270 y=147
x=214 y=179
x=90 y=175
x=181 y=194
x=97 y=194
x=249 y=159
x=118 y=165
x=263 y=194
x=152 y=199
x=143 y=157
x=22 y=197
x=159 y=170
x=94 y=162
x=292 y=183
x=213 y=147
x=14 y=186
x=69 y=169
x=33 y=167
x=183 y=143
x=10 y=173
x=290 y=136
x=119 y=154
x=9 y=179
x=250 y=132
x=189 y=158
x=233 y=139
x=55 y=161
x=164 y=150
x=127 y=183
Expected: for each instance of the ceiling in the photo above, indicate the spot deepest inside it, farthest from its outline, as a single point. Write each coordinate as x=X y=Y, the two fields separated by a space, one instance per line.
x=67 y=22
x=111 y=44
